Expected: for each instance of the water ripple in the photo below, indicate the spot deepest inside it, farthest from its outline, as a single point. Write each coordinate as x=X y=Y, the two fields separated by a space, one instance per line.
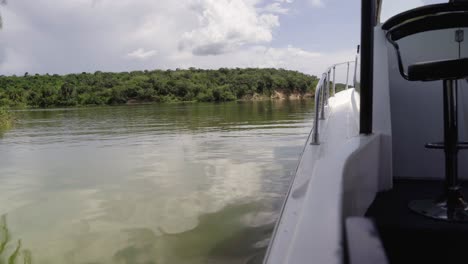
x=148 y=182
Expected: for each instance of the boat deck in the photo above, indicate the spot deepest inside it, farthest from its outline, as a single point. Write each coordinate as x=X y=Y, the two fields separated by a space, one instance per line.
x=411 y=238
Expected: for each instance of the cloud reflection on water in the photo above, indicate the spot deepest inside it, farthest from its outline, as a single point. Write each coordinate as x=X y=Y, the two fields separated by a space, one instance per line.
x=148 y=196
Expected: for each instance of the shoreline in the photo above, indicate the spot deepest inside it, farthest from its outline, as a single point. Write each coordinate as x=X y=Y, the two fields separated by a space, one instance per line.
x=279 y=96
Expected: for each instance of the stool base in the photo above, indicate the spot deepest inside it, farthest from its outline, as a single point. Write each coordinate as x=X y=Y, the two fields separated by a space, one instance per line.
x=439 y=209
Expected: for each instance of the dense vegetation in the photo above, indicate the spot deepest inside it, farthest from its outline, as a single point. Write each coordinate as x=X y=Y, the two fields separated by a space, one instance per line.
x=6 y=119
x=104 y=88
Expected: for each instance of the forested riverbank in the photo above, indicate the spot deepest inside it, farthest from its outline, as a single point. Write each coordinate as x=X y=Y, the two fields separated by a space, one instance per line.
x=6 y=119
x=106 y=88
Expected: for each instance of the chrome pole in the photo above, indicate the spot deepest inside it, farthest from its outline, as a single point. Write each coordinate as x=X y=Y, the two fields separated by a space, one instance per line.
x=315 y=133
x=327 y=87
x=322 y=112
x=347 y=76
x=334 y=83
x=328 y=84
x=355 y=72
x=322 y=93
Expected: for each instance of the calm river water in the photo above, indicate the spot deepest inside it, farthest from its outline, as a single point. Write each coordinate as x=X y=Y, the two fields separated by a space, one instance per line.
x=175 y=183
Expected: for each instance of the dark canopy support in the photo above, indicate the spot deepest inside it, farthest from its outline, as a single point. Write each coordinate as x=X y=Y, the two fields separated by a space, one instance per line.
x=368 y=18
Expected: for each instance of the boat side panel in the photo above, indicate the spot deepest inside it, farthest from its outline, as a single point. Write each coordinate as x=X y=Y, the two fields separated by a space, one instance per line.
x=317 y=235
x=361 y=176
x=310 y=229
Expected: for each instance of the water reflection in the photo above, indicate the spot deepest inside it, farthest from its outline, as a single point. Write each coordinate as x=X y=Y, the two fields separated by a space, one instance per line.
x=225 y=236
x=196 y=183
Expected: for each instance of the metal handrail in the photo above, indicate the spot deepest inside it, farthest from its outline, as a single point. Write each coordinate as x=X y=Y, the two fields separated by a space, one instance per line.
x=322 y=91
x=318 y=90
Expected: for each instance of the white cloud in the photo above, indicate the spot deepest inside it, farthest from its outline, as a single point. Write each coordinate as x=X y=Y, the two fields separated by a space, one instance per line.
x=393 y=7
x=317 y=3
x=275 y=8
x=225 y=26
x=124 y=35
x=86 y=35
x=290 y=57
x=141 y=54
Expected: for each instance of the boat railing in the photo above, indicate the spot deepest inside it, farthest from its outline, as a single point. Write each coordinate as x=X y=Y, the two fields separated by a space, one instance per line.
x=322 y=94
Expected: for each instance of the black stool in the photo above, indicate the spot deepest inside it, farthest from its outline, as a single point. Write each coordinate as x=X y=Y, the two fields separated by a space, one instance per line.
x=450 y=206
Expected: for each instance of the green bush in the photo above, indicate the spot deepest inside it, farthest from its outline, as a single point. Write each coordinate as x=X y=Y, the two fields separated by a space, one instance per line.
x=149 y=86
x=6 y=119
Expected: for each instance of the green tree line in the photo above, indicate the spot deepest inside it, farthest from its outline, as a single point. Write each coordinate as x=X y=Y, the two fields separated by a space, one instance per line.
x=6 y=119
x=106 y=88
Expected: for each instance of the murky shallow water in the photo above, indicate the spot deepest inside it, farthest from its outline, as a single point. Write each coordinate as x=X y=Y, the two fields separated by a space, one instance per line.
x=195 y=183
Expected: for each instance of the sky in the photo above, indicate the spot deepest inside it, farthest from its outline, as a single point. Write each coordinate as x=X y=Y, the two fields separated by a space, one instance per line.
x=74 y=36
